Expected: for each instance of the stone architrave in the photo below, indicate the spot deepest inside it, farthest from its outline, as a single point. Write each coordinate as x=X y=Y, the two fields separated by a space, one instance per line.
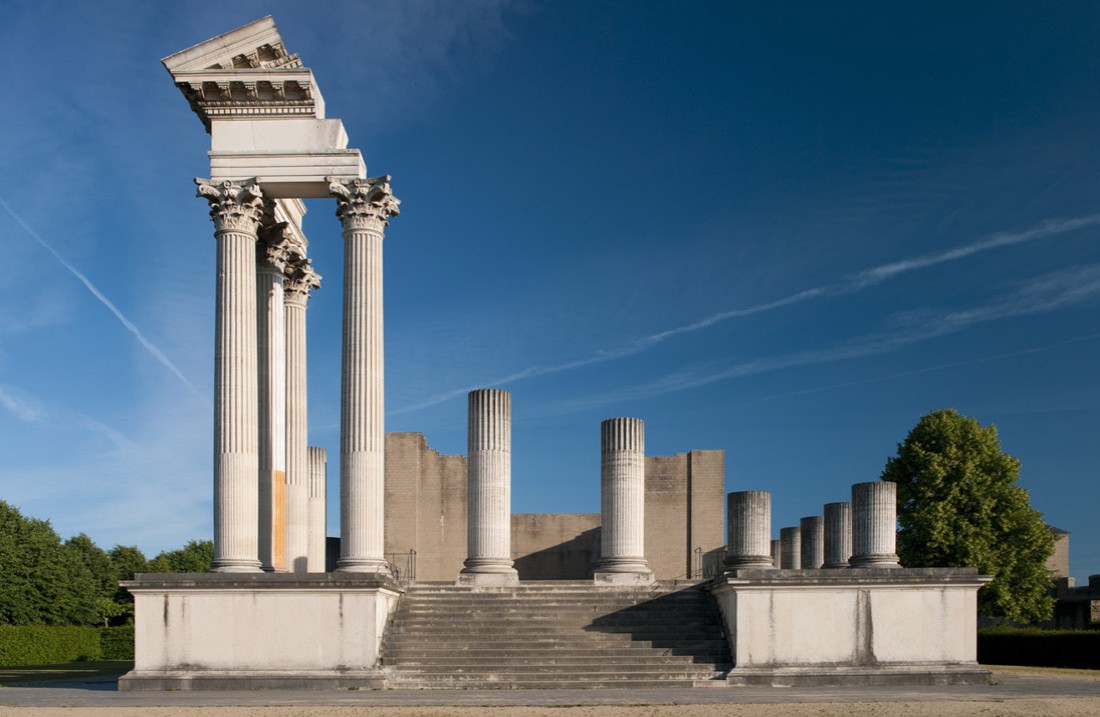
x=874 y=525
x=272 y=252
x=777 y=554
x=300 y=280
x=838 y=535
x=813 y=541
x=318 y=533
x=790 y=548
x=622 y=480
x=236 y=209
x=749 y=517
x=364 y=207
x=489 y=490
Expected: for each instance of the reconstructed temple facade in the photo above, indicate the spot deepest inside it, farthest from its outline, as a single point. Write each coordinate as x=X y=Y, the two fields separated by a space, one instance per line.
x=825 y=604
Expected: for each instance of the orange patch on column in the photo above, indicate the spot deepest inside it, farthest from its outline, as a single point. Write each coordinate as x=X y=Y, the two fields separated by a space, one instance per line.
x=278 y=513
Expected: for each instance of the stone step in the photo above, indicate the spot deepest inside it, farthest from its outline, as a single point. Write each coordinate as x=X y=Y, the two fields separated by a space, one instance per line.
x=509 y=668
x=548 y=636
x=550 y=644
x=582 y=655
x=577 y=659
x=587 y=680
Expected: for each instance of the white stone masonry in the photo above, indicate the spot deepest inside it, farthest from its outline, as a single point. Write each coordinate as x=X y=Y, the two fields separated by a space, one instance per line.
x=364 y=208
x=236 y=210
x=622 y=488
x=749 y=517
x=489 y=490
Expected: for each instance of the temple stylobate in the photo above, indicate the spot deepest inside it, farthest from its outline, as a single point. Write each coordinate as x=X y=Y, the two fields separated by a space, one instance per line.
x=270 y=147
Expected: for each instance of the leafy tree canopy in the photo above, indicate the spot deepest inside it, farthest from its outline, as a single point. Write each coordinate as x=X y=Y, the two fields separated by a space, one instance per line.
x=195 y=557
x=959 y=505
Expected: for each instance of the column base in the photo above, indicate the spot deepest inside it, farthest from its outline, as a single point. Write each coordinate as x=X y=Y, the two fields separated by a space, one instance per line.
x=235 y=565
x=875 y=560
x=759 y=562
x=835 y=566
x=362 y=565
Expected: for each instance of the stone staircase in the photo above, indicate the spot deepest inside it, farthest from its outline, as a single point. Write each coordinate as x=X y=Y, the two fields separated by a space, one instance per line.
x=555 y=634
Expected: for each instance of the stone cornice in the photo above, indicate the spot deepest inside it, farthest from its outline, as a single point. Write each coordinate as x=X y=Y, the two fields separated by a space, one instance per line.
x=234 y=206
x=237 y=94
x=365 y=203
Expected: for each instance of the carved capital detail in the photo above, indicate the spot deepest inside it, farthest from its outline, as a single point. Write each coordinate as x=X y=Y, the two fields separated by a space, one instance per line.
x=300 y=279
x=364 y=203
x=275 y=248
x=233 y=207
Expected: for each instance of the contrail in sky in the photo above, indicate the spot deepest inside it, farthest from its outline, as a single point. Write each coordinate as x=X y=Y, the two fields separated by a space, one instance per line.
x=157 y=353
x=850 y=284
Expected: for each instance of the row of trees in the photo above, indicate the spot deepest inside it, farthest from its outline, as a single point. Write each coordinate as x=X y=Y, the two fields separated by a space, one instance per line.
x=44 y=581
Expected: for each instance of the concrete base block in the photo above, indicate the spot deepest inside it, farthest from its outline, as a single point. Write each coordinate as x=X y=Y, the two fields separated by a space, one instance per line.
x=488 y=579
x=182 y=680
x=611 y=578
x=838 y=676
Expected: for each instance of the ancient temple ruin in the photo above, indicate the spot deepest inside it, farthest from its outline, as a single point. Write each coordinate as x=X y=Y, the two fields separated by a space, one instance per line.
x=650 y=592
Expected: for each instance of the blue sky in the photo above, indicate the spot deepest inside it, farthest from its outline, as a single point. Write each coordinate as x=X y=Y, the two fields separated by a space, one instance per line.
x=783 y=231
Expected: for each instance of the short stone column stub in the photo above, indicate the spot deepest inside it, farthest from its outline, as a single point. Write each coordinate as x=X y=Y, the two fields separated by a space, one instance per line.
x=364 y=208
x=838 y=535
x=813 y=541
x=749 y=518
x=622 y=490
x=236 y=210
x=489 y=490
x=777 y=554
x=318 y=531
x=874 y=525
x=790 y=548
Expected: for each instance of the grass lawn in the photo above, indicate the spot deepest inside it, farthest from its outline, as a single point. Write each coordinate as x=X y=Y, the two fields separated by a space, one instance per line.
x=32 y=674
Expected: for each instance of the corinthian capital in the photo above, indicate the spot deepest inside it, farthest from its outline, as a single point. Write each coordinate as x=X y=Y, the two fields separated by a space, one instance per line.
x=236 y=207
x=364 y=203
x=300 y=278
x=275 y=248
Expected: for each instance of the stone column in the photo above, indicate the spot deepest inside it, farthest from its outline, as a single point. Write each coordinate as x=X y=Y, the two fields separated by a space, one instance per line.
x=300 y=280
x=838 y=535
x=777 y=554
x=236 y=210
x=790 y=548
x=318 y=533
x=874 y=525
x=364 y=207
x=813 y=542
x=489 y=490
x=622 y=488
x=749 y=517
x=271 y=257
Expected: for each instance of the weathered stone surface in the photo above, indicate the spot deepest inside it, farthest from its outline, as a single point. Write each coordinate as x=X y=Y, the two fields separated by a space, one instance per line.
x=874 y=525
x=318 y=533
x=622 y=480
x=750 y=529
x=790 y=548
x=812 y=530
x=838 y=535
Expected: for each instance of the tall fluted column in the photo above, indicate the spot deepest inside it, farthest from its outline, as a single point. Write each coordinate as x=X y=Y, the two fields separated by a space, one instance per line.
x=318 y=533
x=838 y=535
x=874 y=525
x=489 y=490
x=622 y=488
x=749 y=517
x=813 y=541
x=777 y=554
x=271 y=257
x=790 y=548
x=364 y=207
x=300 y=280
x=236 y=210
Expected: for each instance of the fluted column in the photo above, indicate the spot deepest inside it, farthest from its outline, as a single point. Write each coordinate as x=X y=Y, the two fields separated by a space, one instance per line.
x=318 y=532
x=749 y=517
x=777 y=554
x=300 y=280
x=364 y=207
x=622 y=489
x=489 y=490
x=813 y=541
x=271 y=257
x=790 y=548
x=874 y=525
x=236 y=210
x=838 y=535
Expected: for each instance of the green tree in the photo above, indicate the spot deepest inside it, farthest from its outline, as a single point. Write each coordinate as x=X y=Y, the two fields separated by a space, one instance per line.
x=41 y=581
x=959 y=505
x=195 y=557
x=96 y=560
x=126 y=562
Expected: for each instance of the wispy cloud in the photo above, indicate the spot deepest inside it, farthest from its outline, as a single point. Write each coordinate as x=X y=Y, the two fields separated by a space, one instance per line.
x=23 y=408
x=850 y=284
x=145 y=342
x=1045 y=293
